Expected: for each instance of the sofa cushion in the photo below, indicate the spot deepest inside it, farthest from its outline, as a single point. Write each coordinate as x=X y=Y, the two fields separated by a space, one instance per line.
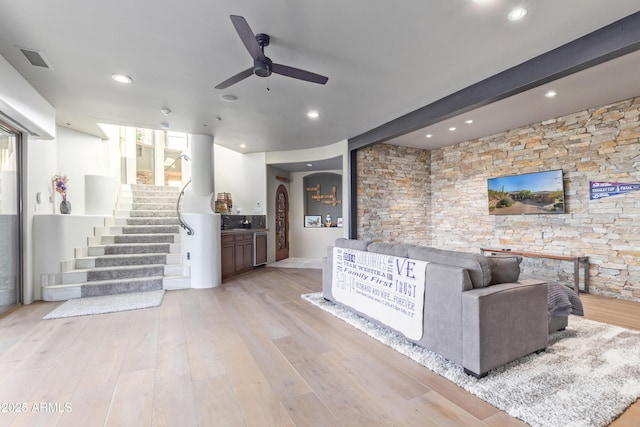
x=476 y=264
x=504 y=269
x=395 y=249
x=360 y=245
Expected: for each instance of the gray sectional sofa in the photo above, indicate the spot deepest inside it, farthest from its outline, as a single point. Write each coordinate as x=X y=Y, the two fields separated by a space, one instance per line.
x=477 y=313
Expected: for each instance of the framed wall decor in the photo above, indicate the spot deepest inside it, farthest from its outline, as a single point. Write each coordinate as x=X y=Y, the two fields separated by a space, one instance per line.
x=313 y=221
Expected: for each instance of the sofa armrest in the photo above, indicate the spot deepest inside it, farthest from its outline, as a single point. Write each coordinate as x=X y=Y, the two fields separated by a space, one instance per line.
x=442 y=323
x=327 y=274
x=502 y=323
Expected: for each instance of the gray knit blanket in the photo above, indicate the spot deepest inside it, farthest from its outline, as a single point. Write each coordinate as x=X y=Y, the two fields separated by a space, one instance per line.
x=562 y=300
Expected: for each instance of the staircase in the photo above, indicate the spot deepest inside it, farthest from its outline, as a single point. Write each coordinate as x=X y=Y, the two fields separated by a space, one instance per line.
x=137 y=251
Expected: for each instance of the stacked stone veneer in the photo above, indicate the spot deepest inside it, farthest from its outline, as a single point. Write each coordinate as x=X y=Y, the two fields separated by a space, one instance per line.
x=601 y=144
x=393 y=191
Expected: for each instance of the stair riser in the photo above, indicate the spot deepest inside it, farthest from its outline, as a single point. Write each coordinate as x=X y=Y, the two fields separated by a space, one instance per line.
x=140 y=229
x=116 y=274
x=171 y=213
x=140 y=238
x=121 y=287
x=152 y=221
x=169 y=199
x=136 y=260
x=153 y=206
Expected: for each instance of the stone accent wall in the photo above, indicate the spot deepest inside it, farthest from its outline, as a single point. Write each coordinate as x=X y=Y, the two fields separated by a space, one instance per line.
x=601 y=144
x=393 y=193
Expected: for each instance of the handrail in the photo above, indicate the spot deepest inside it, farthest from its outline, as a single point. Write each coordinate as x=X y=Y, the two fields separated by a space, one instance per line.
x=183 y=223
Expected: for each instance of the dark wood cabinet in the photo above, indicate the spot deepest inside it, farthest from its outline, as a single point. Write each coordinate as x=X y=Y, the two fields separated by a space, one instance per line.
x=244 y=252
x=227 y=256
x=236 y=252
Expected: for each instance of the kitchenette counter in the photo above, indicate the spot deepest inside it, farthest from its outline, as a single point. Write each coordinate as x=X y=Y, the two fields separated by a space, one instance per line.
x=243 y=230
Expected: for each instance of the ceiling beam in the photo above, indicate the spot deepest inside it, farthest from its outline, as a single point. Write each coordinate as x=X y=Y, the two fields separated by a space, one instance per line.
x=614 y=40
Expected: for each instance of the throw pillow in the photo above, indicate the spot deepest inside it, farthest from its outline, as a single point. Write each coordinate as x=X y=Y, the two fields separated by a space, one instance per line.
x=395 y=249
x=504 y=269
x=360 y=245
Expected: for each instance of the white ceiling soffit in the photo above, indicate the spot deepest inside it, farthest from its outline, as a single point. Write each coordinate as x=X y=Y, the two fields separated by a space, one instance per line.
x=383 y=59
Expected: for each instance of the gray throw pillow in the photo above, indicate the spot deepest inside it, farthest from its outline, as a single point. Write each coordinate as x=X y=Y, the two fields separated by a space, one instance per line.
x=504 y=269
x=395 y=249
x=476 y=264
x=359 y=245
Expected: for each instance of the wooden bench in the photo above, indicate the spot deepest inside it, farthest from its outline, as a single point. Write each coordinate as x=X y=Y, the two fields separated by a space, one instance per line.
x=575 y=259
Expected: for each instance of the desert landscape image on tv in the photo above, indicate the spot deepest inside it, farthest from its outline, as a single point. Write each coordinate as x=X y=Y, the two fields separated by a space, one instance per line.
x=531 y=193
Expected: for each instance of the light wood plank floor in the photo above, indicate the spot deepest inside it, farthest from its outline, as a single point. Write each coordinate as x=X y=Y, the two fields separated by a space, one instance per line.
x=249 y=353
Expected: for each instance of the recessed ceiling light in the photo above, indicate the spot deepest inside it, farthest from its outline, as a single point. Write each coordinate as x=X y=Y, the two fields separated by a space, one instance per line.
x=468 y=121
x=165 y=111
x=429 y=135
x=121 y=78
x=517 y=14
x=551 y=94
x=243 y=145
x=313 y=114
x=229 y=97
x=452 y=128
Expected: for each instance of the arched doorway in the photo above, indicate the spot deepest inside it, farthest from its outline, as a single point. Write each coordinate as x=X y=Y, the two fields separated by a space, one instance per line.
x=282 y=223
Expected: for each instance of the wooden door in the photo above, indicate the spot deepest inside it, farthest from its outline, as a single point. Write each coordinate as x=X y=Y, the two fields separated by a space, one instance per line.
x=282 y=223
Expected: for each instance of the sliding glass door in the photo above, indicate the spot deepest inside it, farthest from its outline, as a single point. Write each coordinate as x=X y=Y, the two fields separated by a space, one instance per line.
x=10 y=264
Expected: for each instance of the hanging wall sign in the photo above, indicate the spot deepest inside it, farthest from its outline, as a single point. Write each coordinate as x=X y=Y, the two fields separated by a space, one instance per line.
x=598 y=189
x=325 y=199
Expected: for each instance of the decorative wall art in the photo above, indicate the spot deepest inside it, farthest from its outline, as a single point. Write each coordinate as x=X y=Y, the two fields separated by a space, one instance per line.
x=598 y=189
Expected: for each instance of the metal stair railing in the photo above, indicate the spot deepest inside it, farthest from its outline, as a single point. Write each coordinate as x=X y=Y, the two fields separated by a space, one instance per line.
x=183 y=223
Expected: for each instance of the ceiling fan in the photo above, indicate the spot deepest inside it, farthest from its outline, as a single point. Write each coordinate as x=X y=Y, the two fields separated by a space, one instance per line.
x=262 y=66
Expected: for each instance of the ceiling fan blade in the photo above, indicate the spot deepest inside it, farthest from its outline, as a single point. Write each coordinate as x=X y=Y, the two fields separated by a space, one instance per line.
x=299 y=74
x=247 y=37
x=235 y=79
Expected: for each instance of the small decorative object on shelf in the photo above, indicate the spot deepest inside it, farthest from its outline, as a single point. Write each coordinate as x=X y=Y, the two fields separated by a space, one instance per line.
x=224 y=204
x=327 y=220
x=65 y=207
x=60 y=185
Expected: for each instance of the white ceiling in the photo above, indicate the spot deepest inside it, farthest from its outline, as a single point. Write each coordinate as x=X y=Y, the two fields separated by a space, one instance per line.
x=384 y=59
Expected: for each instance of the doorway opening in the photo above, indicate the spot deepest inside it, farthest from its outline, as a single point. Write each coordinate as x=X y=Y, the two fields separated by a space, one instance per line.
x=282 y=223
x=10 y=219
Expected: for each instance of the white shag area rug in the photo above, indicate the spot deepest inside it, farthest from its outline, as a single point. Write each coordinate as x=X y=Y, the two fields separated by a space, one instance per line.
x=315 y=263
x=588 y=376
x=107 y=304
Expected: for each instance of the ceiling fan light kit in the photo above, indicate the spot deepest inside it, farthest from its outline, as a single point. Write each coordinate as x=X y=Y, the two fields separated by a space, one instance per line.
x=262 y=65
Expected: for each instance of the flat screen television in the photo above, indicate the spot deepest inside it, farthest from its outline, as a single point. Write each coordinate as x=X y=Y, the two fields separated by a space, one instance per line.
x=527 y=194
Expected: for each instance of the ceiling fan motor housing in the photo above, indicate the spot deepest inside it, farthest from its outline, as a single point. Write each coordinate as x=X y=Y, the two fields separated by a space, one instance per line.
x=262 y=68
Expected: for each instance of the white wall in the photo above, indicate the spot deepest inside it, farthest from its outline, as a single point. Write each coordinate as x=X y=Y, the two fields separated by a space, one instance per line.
x=307 y=242
x=80 y=154
x=242 y=175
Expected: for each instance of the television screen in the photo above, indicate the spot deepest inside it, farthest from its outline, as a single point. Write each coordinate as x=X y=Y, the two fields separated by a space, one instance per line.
x=531 y=193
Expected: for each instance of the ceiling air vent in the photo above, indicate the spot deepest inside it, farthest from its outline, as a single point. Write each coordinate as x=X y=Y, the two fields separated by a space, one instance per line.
x=35 y=58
